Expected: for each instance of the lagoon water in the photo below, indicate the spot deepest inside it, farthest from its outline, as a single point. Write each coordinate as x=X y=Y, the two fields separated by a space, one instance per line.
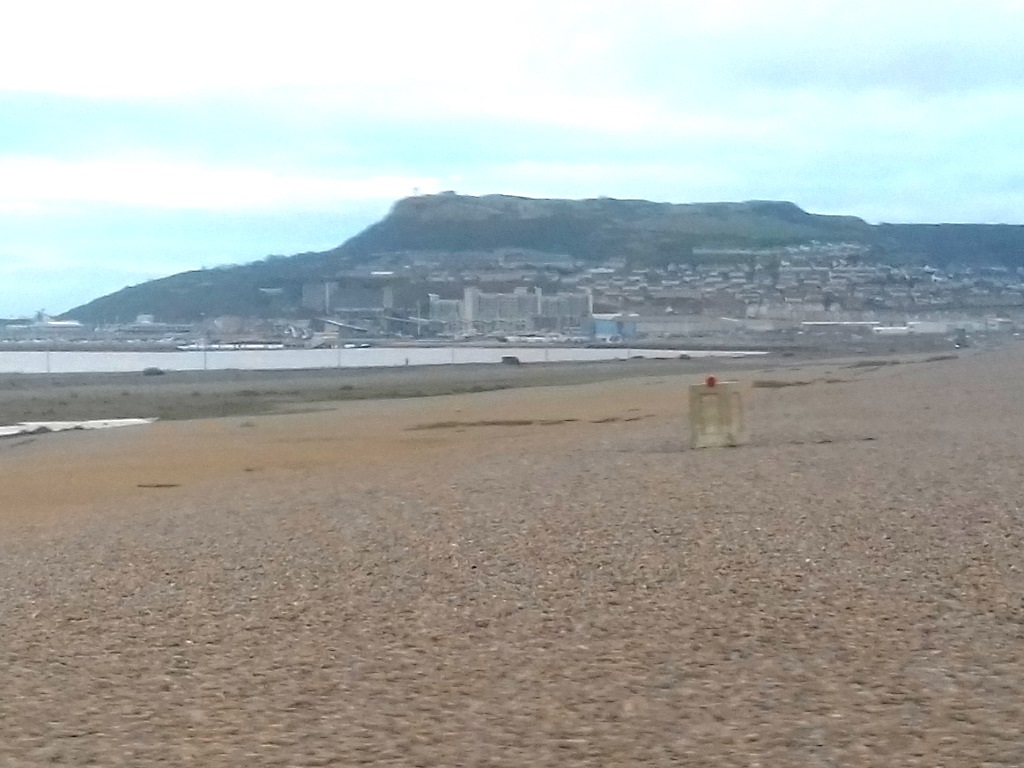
x=298 y=359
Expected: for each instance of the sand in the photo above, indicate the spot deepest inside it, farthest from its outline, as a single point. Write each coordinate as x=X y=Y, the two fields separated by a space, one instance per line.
x=542 y=576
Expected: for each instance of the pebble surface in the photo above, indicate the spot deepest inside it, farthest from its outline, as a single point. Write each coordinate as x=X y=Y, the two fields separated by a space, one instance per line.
x=543 y=578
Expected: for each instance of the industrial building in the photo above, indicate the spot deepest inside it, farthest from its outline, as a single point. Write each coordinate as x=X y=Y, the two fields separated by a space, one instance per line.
x=614 y=327
x=360 y=304
x=521 y=311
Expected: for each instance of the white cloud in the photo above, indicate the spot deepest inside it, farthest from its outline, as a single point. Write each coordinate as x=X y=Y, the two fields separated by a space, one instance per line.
x=607 y=65
x=115 y=48
x=147 y=50
x=36 y=183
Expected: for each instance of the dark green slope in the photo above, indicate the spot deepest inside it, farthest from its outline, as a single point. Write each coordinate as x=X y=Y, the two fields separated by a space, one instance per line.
x=261 y=289
x=944 y=244
x=592 y=229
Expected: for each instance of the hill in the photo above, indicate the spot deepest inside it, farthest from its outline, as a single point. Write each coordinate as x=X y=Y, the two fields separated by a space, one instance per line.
x=643 y=232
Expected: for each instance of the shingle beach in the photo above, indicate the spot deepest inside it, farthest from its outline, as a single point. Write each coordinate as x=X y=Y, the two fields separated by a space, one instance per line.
x=530 y=577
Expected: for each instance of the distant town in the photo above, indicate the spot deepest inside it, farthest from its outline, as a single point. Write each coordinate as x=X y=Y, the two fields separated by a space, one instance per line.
x=769 y=295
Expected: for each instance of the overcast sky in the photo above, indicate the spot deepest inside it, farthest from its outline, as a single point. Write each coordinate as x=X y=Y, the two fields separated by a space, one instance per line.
x=142 y=139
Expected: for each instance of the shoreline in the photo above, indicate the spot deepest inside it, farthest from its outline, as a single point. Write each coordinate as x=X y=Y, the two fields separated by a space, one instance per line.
x=185 y=395
x=178 y=395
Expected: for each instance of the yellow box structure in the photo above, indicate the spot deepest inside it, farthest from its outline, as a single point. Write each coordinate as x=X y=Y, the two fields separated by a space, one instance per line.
x=716 y=414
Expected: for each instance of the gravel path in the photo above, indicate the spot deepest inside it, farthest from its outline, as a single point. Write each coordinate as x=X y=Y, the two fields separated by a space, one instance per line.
x=419 y=589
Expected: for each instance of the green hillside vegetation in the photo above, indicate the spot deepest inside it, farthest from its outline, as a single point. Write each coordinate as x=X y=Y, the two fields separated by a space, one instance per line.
x=227 y=290
x=593 y=229
x=646 y=234
x=944 y=244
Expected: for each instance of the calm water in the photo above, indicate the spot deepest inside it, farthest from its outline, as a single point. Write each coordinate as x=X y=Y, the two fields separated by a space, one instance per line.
x=296 y=359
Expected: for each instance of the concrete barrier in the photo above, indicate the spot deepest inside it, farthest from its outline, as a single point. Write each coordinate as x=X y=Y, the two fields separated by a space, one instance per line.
x=716 y=414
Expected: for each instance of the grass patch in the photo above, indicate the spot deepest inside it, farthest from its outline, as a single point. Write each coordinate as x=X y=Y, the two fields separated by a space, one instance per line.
x=873 y=363
x=491 y=423
x=777 y=383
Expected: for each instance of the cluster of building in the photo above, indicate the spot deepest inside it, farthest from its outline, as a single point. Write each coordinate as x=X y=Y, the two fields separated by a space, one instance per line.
x=386 y=303
x=807 y=283
x=512 y=292
x=523 y=310
x=712 y=289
